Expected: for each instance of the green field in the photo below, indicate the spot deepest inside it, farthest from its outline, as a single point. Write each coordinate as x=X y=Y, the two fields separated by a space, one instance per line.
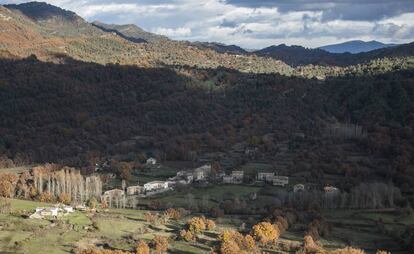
x=122 y=228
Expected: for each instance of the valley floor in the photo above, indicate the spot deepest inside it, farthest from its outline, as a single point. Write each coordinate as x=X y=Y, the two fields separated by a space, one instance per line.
x=122 y=228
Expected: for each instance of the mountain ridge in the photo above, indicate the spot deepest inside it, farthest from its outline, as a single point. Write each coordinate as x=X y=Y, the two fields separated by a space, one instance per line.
x=356 y=46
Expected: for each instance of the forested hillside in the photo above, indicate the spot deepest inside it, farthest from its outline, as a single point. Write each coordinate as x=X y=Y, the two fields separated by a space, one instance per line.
x=77 y=113
x=299 y=56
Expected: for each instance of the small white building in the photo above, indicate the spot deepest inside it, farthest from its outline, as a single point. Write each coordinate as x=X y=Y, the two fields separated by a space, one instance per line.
x=331 y=190
x=228 y=179
x=151 y=161
x=58 y=210
x=265 y=176
x=202 y=172
x=134 y=190
x=298 y=188
x=68 y=209
x=155 y=185
x=238 y=175
x=280 y=180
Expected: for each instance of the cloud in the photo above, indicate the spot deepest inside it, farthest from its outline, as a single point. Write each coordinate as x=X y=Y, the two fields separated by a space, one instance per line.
x=257 y=23
x=171 y=32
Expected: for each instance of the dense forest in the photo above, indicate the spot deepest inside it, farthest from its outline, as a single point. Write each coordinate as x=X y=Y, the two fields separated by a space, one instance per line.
x=80 y=113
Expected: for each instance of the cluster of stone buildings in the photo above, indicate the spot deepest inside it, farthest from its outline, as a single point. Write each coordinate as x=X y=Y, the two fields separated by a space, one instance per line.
x=55 y=211
x=272 y=178
x=128 y=197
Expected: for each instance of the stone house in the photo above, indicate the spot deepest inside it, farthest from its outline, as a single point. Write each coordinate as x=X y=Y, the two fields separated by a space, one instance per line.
x=228 y=179
x=151 y=161
x=238 y=175
x=331 y=190
x=115 y=197
x=134 y=190
x=201 y=173
x=298 y=188
x=57 y=210
x=280 y=180
x=265 y=176
x=155 y=185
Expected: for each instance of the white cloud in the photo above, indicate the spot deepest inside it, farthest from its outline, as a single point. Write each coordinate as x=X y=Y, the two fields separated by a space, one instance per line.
x=171 y=32
x=252 y=25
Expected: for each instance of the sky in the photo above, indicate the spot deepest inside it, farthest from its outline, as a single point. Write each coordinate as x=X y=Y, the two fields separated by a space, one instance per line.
x=255 y=24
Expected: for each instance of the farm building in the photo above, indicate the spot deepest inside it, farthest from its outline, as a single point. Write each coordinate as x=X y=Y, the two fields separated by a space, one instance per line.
x=238 y=175
x=134 y=190
x=201 y=173
x=155 y=185
x=151 y=161
x=265 y=176
x=331 y=190
x=280 y=180
x=114 y=197
x=298 y=188
x=58 y=210
x=228 y=179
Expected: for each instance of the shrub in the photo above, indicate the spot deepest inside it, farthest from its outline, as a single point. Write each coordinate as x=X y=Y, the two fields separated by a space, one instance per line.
x=46 y=197
x=160 y=244
x=265 y=232
x=64 y=198
x=210 y=224
x=348 y=250
x=187 y=235
x=92 y=203
x=175 y=214
x=196 y=224
x=233 y=242
x=382 y=252
x=142 y=248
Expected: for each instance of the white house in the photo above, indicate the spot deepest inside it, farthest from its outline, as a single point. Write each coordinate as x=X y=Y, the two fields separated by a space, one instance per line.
x=228 y=179
x=280 y=180
x=155 y=185
x=265 y=176
x=238 y=175
x=68 y=209
x=151 y=161
x=298 y=187
x=202 y=172
x=134 y=190
x=41 y=212
x=331 y=190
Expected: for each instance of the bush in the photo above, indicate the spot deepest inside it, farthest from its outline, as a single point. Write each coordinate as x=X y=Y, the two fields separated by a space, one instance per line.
x=196 y=225
x=187 y=235
x=64 y=198
x=160 y=244
x=142 y=248
x=348 y=250
x=232 y=242
x=46 y=197
x=175 y=214
x=210 y=224
x=265 y=232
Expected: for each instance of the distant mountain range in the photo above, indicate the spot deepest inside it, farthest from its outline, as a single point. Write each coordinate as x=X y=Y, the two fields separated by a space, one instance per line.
x=298 y=55
x=49 y=31
x=355 y=47
x=220 y=47
x=130 y=32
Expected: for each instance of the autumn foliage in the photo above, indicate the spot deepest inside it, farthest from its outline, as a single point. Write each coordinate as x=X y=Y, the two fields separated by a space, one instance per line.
x=7 y=184
x=64 y=198
x=142 y=248
x=46 y=197
x=160 y=244
x=232 y=242
x=265 y=232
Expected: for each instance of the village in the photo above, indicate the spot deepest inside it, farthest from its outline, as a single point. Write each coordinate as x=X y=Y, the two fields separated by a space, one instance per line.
x=129 y=196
